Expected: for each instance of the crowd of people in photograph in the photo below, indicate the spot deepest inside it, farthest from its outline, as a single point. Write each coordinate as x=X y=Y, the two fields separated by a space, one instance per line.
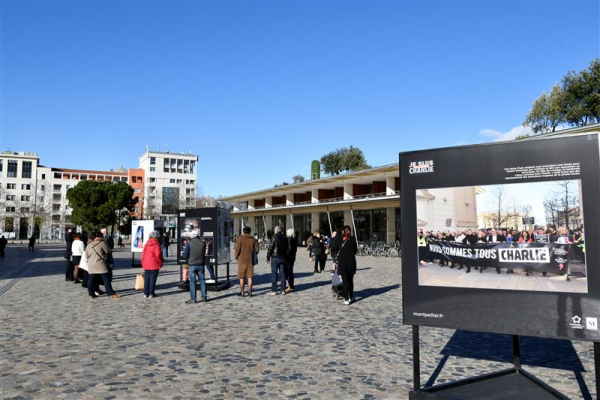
x=471 y=237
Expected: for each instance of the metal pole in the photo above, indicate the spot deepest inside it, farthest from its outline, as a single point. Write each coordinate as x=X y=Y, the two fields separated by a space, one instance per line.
x=516 y=352
x=292 y=219
x=416 y=359
x=597 y=365
x=265 y=224
x=354 y=225
x=329 y=219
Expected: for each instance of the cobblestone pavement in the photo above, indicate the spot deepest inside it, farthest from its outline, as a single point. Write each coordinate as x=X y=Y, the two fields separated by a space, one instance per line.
x=56 y=343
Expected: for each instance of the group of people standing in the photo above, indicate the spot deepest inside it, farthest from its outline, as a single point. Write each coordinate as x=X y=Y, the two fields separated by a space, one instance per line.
x=90 y=262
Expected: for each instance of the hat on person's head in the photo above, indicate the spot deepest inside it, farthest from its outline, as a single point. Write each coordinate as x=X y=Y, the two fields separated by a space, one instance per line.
x=194 y=233
x=154 y=234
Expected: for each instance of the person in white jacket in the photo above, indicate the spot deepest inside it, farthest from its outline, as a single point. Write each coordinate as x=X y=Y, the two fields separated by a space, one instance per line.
x=77 y=250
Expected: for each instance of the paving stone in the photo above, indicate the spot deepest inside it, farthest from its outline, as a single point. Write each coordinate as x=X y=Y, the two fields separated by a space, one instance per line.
x=57 y=343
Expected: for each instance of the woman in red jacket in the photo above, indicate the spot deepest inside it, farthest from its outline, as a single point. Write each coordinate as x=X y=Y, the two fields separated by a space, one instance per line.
x=152 y=262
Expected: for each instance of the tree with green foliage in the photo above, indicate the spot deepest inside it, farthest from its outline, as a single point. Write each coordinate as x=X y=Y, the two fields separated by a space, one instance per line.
x=576 y=101
x=95 y=203
x=344 y=160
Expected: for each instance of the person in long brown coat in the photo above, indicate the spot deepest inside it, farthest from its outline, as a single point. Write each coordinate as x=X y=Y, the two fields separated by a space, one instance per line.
x=244 y=248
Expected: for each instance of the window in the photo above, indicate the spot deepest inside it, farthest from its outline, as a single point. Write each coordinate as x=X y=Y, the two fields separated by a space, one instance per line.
x=43 y=176
x=166 y=165
x=152 y=169
x=152 y=160
x=57 y=175
x=26 y=186
x=83 y=177
x=56 y=197
x=116 y=179
x=12 y=169
x=172 y=181
x=43 y=187
x=178 y=180
x=11 y=185
x=192 y=166
x=56 y=218
x=25 y=198
x=136 y=190
x=42 y=199
x=55 y=207
x=26 y=169
x=152 y=189
x=1 y=161
x=57 y=188
x=24 y=209
x=10 y=197
x=152 y=179
x=186 y=166
x=10 y=209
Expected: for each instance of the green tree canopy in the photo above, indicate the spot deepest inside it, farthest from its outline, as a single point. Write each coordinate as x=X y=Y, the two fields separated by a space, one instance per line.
x=344 y=160
x=95 y=203
x=576 y=101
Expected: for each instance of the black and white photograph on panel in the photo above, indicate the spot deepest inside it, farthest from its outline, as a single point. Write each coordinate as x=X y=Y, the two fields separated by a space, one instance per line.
x=520 y=236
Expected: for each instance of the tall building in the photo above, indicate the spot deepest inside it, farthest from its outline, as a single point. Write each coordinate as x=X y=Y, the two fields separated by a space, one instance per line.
x=170 y=184
x=33 y=198
x=18 y=172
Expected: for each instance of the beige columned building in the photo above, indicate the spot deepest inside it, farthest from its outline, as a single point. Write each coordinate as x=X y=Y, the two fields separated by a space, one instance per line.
x=368 y=201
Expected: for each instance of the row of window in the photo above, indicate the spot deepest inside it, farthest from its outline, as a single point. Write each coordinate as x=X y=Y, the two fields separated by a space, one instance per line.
x=12 y=167
x=12 y=197
x=13 y=186
x=12 y=209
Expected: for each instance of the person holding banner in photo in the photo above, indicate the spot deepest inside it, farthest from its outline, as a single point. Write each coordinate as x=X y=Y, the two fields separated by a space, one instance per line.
x=494 y=237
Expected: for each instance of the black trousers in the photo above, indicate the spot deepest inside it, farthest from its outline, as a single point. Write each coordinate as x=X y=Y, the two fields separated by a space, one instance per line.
x=320 y=262
x=347 y=284
x=289 y=274
x=69 y=272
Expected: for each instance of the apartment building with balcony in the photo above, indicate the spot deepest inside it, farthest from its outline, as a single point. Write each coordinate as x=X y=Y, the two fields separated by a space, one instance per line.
x=18 y=172
x=170 y=184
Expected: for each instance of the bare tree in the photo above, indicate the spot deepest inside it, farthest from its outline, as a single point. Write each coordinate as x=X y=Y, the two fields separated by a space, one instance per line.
x=569 y=202
x=501 y=215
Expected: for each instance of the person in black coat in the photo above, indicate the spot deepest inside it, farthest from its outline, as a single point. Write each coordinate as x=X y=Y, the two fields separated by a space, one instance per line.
x=290 y=259
x=317 y=250
x=334 y=246
x=346 y=259
x=3 y=243
x=69 y=272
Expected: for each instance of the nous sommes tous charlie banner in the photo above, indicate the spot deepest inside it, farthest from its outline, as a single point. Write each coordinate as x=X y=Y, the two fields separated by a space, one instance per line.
x=543 y=257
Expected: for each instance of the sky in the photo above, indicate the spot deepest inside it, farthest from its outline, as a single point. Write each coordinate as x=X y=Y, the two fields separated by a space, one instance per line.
x=259 y=89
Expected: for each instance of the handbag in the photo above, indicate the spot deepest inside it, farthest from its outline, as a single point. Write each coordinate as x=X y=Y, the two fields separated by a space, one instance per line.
x=139 y=282
x=254 y=255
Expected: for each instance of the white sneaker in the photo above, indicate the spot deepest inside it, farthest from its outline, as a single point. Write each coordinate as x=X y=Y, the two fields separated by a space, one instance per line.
x=210 y=281
x=347 y=302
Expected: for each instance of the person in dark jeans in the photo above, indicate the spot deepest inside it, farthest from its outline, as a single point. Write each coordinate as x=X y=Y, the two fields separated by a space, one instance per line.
x=290 y=260
x=3 y=243
x=346 y=258
x=276 y=254
x=194 y=253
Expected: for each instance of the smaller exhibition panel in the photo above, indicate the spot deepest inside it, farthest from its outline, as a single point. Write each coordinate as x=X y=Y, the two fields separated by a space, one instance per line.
x=536 y=277
x=214 y=225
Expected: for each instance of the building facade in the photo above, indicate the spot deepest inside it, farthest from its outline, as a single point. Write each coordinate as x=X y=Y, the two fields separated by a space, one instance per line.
x=368 y=200
x=170 y=184
x=33 y=198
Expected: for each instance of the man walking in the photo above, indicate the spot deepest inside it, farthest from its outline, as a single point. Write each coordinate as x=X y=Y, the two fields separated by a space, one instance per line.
x=3 y=243
x=194 y=254
x=276 y=254
x=31 y=243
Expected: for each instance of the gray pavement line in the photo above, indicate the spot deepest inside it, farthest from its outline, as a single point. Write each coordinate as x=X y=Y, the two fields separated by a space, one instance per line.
x=15 y=280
